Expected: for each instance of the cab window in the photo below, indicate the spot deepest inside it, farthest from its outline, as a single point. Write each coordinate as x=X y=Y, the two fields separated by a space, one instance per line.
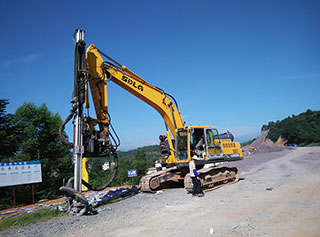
x=212 y=137
x=209 y=137
x=182 y=145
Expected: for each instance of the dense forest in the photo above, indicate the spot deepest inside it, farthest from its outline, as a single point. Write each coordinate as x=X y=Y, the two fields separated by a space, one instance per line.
x=31 y=133
x=302 y=129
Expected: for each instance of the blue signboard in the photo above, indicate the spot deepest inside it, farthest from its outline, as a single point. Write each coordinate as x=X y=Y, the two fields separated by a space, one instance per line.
x=132 y=173
x=15 y=173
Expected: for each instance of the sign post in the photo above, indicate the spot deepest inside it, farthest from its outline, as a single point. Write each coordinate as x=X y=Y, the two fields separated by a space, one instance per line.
x=15 y=173
x=14 y=196
x=132 y=173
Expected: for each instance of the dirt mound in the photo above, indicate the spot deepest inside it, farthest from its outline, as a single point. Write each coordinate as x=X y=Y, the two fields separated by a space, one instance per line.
x=263 y=144
x=281 y=141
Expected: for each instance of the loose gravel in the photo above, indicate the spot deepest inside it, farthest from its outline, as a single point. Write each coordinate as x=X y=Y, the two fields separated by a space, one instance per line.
x=274 y=185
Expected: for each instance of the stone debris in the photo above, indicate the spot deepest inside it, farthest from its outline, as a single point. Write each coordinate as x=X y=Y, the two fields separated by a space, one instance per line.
x=263 y=145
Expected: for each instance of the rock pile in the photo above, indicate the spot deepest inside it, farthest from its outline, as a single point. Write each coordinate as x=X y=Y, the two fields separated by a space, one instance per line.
x=262 y=144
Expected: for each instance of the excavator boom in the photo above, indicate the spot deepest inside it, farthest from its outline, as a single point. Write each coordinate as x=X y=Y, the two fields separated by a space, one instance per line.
x=135 y=85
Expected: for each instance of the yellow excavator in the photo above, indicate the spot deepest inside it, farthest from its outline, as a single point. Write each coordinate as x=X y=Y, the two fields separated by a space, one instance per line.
x=180 y=142
x=177 y=146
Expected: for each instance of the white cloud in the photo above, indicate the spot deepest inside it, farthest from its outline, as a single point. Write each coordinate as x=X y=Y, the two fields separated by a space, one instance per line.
x=21 y=60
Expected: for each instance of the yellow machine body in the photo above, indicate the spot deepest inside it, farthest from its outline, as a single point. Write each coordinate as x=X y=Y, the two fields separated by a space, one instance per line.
x=85 y=174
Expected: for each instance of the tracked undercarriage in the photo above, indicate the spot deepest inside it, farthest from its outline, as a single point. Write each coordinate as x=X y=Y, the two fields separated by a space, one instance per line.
x=171 y=177
x=211 y=178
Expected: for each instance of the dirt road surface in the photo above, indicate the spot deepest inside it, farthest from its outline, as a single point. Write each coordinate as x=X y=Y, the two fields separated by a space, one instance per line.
x=279 y=195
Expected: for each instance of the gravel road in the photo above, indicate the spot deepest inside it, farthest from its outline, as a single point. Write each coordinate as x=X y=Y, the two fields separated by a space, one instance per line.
x=278 y=195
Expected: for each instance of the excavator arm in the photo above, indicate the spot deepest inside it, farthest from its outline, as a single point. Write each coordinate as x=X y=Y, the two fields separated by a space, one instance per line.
x=100 y=70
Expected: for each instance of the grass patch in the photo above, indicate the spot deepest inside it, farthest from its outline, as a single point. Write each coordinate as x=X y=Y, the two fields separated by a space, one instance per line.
x=27 y=219
x=39 y=216
x=314 y=144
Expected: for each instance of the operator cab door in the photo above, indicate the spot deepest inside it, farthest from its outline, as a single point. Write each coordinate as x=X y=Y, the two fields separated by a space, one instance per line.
x=213 y=144
x=182 y=145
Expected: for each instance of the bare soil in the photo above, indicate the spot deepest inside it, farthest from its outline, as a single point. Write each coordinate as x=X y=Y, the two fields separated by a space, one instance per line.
x=278 y=195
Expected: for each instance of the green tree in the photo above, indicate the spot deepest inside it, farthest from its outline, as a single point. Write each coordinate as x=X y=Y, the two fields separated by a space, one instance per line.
x=302 y=129
x=38 y=139
x=140 y=159
x=122 y=178
x=8 y=148
x=8 y=133
x=139 y=163
x=264 y=127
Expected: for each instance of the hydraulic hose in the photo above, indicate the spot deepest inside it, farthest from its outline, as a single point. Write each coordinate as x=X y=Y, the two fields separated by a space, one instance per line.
x=113 y=175
x=74 y=194
x=61 y=129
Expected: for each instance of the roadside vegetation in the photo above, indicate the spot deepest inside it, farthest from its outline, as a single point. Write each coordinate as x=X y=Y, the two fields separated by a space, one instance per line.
x=31 y=133
x=32 y=218
x=302 y=129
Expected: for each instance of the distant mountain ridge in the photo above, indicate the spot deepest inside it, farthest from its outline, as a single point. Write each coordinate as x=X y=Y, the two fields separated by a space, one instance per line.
x=150 y=151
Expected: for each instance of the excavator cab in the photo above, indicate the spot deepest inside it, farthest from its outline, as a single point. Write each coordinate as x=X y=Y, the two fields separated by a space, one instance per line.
x=198 y=140
x=206 y=143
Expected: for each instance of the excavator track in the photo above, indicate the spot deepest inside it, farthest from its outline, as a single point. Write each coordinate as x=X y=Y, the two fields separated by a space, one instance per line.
x=213 y=178
x=162 y=179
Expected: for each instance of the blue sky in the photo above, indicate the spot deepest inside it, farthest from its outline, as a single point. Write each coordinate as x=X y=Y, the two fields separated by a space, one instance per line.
x=232 y=65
